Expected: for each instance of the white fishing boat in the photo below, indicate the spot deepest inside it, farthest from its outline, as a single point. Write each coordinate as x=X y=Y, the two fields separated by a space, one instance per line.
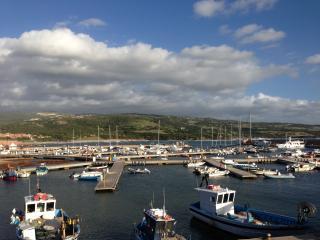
x=279 y=175
x=216 y=208
x=292 y=144
x=156 y=224
x=195 y=164
x=42 y=220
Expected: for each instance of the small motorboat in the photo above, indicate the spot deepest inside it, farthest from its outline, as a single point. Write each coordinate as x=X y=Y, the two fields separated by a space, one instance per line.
x=279 y=175
x=266 y=171
x=23 y=174
x=75 y=175
x=42 y=170
x=42 y=220
x=139 y=171
x=301 y=167
x=90 y=176
x=10 y=175
x=97 y=168
x=228 y=162
x=245 y=166
x=194 y=164
x=156 y=224
x=218 y=173
x=216 y=208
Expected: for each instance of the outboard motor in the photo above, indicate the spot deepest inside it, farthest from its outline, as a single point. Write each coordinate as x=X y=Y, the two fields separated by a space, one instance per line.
x=305 y=211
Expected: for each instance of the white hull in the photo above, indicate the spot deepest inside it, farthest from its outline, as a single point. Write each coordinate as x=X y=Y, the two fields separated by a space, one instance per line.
x=240 y=230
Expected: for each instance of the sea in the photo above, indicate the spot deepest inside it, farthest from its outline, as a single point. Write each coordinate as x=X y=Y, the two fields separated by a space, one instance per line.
x=112 y=215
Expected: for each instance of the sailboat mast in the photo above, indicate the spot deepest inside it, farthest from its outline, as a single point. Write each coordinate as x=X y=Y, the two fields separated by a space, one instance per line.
x=211 y=137
x=159 y=133
x=240 y=133
x=98 y=136
x=250 y=126
x=109 y=137
x=201 y=138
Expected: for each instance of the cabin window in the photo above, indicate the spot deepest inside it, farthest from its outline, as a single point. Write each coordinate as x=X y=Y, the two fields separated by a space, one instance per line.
x=219 y=198
x=225 y=198
x=31 y=208
x=213 y=199
x=40 y=207
x=231 y=197
x=50 y=206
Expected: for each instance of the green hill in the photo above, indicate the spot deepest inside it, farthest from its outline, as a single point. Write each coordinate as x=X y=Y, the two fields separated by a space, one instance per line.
x=58 y=127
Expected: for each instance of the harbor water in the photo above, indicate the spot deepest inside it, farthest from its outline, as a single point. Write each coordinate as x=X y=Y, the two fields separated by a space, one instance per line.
x=112 y=215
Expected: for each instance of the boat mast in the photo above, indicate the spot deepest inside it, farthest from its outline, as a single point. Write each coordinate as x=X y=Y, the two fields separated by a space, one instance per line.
x=73 y=138
x=225 y=136
x=98 y=136
x=250 y=126
x=231 y=134
x=159 y=133
x=211 y=137
x=240 y=132
x=201 y=138
x=109 y=138
x=117 y=134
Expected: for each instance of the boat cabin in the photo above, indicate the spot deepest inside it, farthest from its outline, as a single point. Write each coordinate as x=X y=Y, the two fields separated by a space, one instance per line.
x=157 y=224
x=40 y=205
x=217 y=200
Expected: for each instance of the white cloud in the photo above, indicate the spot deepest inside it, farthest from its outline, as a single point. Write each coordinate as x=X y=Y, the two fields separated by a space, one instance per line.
x=246 y=5
x=208 y=8
x=253 y=33
x=92 y=22
x=224 y=29
x=60 y=70
x=314 y=59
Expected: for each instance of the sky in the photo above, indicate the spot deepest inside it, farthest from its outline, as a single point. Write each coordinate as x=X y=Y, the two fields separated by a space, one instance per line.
x=206 y=58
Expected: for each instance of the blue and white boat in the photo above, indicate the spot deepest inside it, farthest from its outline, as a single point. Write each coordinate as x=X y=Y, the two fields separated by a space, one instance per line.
x=42 y=220
x=216 y=208
x=91 y=176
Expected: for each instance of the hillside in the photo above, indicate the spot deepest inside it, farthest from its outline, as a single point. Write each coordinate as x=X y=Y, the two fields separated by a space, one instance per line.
x=57 y=127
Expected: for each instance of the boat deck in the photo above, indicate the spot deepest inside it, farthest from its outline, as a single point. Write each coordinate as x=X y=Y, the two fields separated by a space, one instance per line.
x=111 y=178
x=234 y=171
x=301 y=237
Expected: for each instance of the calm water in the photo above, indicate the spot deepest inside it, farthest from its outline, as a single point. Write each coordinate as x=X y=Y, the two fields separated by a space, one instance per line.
x=112 y=215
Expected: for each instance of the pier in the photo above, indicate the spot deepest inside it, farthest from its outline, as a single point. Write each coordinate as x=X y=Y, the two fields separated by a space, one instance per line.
x=111 y=178
x=234 y=171
x=59 y=166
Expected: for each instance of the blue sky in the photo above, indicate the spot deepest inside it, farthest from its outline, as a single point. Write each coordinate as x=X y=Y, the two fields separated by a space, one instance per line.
x=209 y=57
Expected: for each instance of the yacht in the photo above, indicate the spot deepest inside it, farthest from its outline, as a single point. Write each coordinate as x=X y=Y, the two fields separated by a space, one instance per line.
x=216 y=208
x=42 y=220
x=301 y=167
x=292 y=144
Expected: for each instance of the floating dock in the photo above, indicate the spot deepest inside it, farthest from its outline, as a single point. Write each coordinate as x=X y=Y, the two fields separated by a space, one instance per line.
x=52 y=167
x=234 y=171
x=111 y=178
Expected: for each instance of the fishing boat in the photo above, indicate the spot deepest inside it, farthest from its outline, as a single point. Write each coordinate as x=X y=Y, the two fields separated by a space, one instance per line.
x=216 y=208
x=10 y=175
x=139 y=171
x=194 y=164
x=91 y=176
x=42 y=220
x=279 y=175
x=156 y=224
x=42 y=169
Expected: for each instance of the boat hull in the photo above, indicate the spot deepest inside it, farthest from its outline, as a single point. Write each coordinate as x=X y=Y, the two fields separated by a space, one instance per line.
x=242 y=229
x=10 y=178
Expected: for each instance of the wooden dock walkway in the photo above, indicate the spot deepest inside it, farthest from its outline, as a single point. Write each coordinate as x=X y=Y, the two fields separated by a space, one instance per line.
x=234 y=171
x=111 y=178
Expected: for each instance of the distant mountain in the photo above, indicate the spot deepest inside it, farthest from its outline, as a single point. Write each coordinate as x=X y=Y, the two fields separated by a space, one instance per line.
x=58 y=127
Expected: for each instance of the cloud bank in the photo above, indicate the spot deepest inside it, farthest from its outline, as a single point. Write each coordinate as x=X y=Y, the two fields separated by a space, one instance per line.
x=59 y=70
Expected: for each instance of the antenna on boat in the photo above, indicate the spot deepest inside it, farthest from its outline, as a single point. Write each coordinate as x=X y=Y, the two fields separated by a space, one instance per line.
x=164 y=202
x=205 y=179
x=152 y=201
x=38 y=185
x=29 y=186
